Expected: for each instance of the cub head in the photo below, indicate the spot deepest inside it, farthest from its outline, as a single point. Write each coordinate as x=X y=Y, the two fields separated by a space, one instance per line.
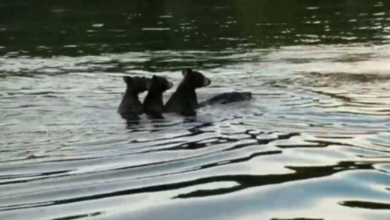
x=160 y=84
x=138 y=84
x=246 y=96
x=195 y=79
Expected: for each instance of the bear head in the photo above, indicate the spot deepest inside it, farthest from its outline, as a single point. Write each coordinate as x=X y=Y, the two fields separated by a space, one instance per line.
x=137 y=84
x=195 y=79
x=160 y=84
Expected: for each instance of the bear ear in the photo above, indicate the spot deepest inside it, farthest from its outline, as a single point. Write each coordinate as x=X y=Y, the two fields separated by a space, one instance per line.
x=127 y=79
x=186 y=71
x=155 y=78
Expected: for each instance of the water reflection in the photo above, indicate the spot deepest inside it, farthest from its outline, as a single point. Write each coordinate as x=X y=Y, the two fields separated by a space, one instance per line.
x=80 y=28
x=312 y=144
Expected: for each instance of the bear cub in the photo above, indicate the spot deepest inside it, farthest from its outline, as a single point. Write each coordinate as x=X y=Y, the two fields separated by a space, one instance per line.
x=226 y=98
x=153 y=103
x=131 y=107
x=184 y=100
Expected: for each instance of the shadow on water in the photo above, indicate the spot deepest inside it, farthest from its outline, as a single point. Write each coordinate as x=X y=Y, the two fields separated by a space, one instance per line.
x=301 y=173
x=366 y=205
x=244 y=181
x=79 y=216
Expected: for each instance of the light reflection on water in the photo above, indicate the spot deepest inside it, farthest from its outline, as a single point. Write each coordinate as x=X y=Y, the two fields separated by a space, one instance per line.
x=313 y=143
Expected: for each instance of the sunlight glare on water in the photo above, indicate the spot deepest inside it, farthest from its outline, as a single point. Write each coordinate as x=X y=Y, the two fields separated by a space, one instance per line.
x=312 y=144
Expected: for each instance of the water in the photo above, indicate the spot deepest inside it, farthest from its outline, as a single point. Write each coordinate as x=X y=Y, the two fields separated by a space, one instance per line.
x=313 y=144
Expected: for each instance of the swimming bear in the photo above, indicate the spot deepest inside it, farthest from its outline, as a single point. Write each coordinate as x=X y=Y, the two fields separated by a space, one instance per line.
x=226 y=98
x=184 y=100
x=131 y=107
x=153 y=103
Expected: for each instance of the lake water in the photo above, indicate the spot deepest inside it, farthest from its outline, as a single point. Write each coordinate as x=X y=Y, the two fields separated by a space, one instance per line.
x=313 y=144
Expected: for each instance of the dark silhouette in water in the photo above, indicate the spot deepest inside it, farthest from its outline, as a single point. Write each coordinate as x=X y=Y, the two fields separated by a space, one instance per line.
x=153 y=103
x=131 y=107
x=226 y=98
x=184 y=100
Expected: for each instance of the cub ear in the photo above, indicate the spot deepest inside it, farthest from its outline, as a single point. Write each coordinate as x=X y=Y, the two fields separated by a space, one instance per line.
x=150 y=82
x=155 y=78
x=186 y=71
x=127 y=79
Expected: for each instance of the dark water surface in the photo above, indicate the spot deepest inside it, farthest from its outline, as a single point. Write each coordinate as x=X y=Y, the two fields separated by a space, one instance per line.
x=313 y=144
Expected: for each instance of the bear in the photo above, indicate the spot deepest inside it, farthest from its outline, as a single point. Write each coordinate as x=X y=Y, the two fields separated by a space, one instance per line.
x=226 y=98
x=131 y=107
x=153 y=103
x=184 y=100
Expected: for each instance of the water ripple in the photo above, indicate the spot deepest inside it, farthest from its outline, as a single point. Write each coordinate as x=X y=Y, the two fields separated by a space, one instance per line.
x=312 y=144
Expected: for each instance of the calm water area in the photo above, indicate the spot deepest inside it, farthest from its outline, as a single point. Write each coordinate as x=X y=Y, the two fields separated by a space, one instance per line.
x=313 y=144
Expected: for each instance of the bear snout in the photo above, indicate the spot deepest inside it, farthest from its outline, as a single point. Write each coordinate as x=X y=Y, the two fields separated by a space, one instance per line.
x=170 y=85
x=206 y=82
x=247 y=95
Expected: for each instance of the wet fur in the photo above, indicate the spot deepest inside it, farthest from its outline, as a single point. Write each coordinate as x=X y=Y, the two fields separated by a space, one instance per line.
x=226 y=98
x=130 y=107
x=184 y=100
x=153 y=104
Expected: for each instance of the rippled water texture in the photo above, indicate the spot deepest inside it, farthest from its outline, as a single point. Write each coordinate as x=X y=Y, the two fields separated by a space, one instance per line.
x=312 y=144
